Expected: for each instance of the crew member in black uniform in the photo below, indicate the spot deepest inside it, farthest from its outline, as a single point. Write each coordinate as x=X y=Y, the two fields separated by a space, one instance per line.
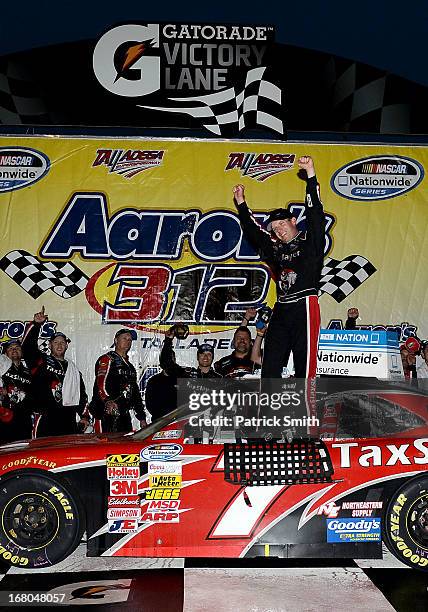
x=239 y=362
x=205 y=356
x=116 y=390
x=15 y=395
x=296 y=259
x=57 y=385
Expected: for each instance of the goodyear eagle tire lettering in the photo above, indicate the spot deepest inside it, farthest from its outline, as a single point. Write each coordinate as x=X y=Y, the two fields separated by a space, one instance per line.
x=41 y=520
x=406 y=524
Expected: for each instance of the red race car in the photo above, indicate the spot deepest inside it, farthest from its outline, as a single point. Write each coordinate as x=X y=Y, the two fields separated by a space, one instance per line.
x=211 y=482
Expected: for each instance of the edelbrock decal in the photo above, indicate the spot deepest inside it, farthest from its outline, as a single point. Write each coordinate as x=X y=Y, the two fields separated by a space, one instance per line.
x=161 y=452
x=377 y=178
x=20 y=167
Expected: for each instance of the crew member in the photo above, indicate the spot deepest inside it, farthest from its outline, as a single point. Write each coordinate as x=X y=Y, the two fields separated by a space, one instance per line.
x=296 y=259
x=15 y=394
x=57 y=385
x=205 y=356
x=116 y=390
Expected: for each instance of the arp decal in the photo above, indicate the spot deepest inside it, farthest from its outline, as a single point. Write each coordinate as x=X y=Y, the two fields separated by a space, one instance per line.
x=377 y=178
x=20 y=167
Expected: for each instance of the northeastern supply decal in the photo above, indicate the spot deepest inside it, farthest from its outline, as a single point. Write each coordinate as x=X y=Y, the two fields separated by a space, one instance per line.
x=351 y=530
x=217 y=75
x=377 y=178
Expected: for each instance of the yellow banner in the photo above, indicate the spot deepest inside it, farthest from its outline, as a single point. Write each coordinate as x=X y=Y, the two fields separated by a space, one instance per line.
x=109 y=233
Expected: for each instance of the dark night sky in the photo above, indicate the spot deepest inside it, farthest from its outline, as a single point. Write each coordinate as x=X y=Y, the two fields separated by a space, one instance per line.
x=387 y=35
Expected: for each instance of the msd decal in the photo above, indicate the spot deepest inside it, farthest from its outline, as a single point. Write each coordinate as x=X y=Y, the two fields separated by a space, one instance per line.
x=260 y=166
x=128 y=163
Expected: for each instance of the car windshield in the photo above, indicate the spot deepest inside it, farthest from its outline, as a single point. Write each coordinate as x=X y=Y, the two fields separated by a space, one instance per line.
x=213 y=411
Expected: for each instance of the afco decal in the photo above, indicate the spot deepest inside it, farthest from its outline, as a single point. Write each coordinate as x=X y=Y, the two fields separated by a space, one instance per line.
x=377 y=178
x=20 y=167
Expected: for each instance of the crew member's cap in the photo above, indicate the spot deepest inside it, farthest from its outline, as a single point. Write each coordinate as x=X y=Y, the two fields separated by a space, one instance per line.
x=59 y=334
x=413 y=345
x=206 y=348
x=123 y=331
x=277 y=215
x=6 y=345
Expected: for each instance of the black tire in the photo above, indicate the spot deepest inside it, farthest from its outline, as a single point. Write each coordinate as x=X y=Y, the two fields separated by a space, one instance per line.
x=41 y=520
x=406 y=524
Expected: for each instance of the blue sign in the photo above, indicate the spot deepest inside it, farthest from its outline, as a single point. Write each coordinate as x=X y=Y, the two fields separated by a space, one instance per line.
x=353 y=530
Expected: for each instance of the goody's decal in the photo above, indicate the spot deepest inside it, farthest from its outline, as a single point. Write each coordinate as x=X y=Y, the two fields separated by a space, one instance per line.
x=377 y=178
x=352 y=530
x=20 y=167
x=128 y=162
x=161 y=452
x=260 y=166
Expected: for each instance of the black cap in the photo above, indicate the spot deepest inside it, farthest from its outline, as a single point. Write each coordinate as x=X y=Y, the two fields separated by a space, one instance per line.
x=6 y=345
x=59 y=334
x=205 y=348
x=123 y=331
x=277 y=215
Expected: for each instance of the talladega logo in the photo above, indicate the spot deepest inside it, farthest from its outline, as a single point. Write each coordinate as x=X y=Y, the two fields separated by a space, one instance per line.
x=260 y=166
x=128 y=162
x=21 y=167
x=377 y=178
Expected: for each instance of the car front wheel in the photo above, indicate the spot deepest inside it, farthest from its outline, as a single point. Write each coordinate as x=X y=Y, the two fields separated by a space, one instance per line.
x=41 y=521
x=406 y=524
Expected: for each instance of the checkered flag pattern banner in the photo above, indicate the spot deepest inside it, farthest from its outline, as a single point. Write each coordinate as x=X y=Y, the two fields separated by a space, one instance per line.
x=20 y=100
x=259 y=102
x=340 y=278
x=36 y=277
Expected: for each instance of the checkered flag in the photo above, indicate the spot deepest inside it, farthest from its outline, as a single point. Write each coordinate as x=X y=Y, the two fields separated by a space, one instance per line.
x=36 y=277
x=221 y=112
x=340 y=278
x=365 y=98
x=20 y=100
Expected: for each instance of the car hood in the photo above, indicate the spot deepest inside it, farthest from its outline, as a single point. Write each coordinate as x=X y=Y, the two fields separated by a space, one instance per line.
x=58 y=442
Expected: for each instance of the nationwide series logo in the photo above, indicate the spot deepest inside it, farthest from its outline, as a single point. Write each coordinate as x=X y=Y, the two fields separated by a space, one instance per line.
x=21 y=167
x=222 y=69
x=260 y=166
x=377 y=178
x=128 y=163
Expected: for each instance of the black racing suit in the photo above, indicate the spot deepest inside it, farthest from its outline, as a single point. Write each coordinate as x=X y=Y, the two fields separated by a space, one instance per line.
x=48 y=375
x=296 y=266
x=232 y=366
x=116 y=380
x=15 y=418
x=167 y=363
